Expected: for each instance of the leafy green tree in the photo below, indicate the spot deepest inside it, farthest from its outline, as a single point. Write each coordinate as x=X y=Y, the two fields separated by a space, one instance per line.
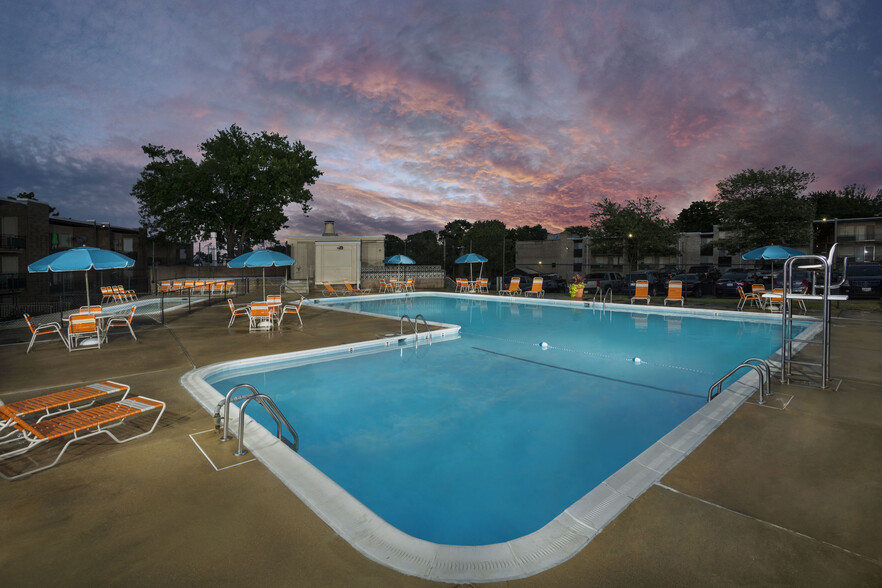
x=636 y=228
x=393 y=245
x=764 y=207
x=486 y=237
x=239 y=190
x=424 y=248
x=526 y=233
x=853 y=201
x=580 y=230
x=452 y=238
x=698 y=217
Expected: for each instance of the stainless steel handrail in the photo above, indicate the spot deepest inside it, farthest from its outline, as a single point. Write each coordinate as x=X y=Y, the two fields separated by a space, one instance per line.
x=262 y=399
x=414 y=324
x=761 y=367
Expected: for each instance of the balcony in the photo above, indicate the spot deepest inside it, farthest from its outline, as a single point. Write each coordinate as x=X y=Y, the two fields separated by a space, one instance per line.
x=12 y=242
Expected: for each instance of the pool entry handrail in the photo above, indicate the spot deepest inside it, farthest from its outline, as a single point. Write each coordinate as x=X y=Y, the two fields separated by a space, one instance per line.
x=266 y=402
x=415 y=325
x=599 y=292
x=761 y=367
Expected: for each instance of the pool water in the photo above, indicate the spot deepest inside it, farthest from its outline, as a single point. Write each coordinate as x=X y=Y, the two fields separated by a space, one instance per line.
x=488 y=437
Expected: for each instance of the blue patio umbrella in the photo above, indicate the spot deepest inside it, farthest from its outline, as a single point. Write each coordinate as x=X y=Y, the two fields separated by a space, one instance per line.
x=262 y=258
x=471 y=258
x=399 y=260
x=772 y=252
x=81 y=259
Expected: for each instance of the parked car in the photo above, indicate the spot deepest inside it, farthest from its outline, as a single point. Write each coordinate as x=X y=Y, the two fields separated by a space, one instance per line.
x=552 y=283
x=604 y=281
x=655 y=282
x=705 y=272
x=728 y=283
x=694 y=286
x=863 y=280
x=800 y=280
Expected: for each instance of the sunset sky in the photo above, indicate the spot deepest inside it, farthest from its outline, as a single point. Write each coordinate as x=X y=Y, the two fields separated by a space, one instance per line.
x=420 y=113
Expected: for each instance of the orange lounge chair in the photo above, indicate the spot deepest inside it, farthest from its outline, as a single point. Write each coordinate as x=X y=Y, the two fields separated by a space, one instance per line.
x=51 y=405
x=384 y=287
x=165 y=287
x=107 y=294
x=291 y=309
x=536 y=289
x=43 y=329
x=120 y=293
x=514 y=287
x=408 y=285
x=641 y=291
x=121 y=321
x=329 y=290
x=74 y=426
x=82 y=328
x=352 y=290
x=675 y=293
x=241 y=311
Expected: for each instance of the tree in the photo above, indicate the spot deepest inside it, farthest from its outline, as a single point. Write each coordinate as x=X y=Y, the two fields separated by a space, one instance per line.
x=393 y=245
x=853 y=201
x=452 y=238
x=486 y=238
x=424 y=248
x=239 y=190
x=764 y=207
x=526 y=233
x=698 y=217
x=580 y=230
x=636 y=228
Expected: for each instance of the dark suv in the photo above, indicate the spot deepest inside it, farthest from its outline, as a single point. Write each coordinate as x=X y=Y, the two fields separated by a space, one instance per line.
x=655 y=283
x=604 y=281
x=863 y=280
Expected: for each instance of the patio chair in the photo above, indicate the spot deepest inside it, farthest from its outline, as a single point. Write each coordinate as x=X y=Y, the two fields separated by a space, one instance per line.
x=675 y=293
x=177 y=286
x=775 y=303
x=260 y=317
x=461 y=285
x=83 y=328
x=94 y=309
x=165 y=287
x=107 y=294
x=120 y=293
x=120 y=321
x=408 y=285
x=536 y=288
x=229 y=286
x=483 y=285
x=752 y=297
x=384 y=287
x=74 y=427
x=329 y=290
x=291 y=309
x=514 y=287
x=241 y=311
x=353 y=290
x=641 y=291
x=217 y=288
x=51 y=405
x=42 y=329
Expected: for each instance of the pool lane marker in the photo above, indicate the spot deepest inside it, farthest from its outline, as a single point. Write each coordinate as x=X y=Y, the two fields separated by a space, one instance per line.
x=580 y=372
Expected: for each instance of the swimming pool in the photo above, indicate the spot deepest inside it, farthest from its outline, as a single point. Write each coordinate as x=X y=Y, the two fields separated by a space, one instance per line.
x=563 y=418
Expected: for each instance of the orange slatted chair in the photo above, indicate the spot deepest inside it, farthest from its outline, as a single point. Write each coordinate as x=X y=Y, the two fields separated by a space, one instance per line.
x=121 y=321
x=641 y=291
x=43 y=329
x=291 y=309
x=675 y=293
x=536 y=288
x=353 y=290
x=241 y=311
x=82 y=327
x=329 y=290
x=51 y=405
x=259 y=317
x=75 y=426
x=514 y=287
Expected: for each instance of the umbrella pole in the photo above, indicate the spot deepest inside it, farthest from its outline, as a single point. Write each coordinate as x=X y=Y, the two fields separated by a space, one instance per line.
x=86 y=273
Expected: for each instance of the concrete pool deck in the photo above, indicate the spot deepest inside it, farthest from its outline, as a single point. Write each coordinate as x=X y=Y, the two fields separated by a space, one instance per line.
x=775 y=495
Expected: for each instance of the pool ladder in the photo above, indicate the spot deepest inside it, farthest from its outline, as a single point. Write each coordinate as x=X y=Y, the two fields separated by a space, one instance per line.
x=603 y=296
x=415 y=325
x=263 y=400
x=761 y=367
